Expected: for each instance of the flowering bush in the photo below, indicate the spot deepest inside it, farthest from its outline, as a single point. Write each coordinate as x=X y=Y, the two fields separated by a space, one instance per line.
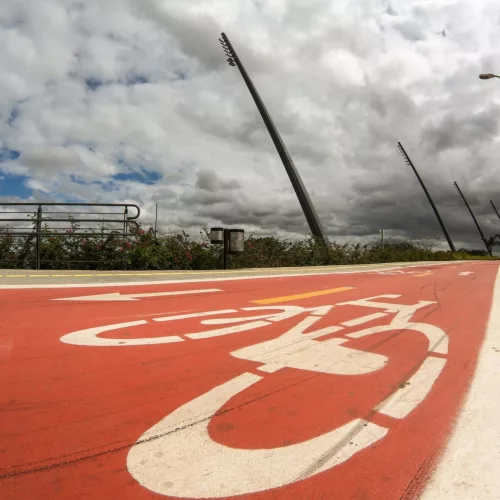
x=142 y=250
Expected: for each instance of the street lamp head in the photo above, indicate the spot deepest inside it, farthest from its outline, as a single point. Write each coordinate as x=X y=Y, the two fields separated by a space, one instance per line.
x=487 y=76
x=228 y=49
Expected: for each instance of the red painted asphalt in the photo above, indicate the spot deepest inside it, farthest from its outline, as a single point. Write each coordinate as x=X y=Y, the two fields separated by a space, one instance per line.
x=72 y=413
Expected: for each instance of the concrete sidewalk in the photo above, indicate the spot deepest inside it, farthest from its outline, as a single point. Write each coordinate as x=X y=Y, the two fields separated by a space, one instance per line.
x=49 y=277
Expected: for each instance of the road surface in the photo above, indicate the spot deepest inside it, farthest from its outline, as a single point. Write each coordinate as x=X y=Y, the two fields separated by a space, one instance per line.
x=372 y=383
x=22 y=278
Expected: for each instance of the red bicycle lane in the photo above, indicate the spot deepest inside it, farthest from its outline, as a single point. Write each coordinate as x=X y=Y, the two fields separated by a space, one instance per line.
x=75 y=411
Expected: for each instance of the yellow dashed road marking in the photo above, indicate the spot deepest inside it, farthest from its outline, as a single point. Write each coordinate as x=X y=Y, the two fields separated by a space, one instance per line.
x=288 y=298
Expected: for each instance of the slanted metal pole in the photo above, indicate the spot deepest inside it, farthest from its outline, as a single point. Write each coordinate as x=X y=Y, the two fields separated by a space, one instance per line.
x=300 y=190
x=475 y=221
x=495 y=209
x=441 y=223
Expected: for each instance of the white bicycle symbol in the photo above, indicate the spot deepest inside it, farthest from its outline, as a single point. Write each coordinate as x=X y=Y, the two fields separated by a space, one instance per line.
x=177 y=457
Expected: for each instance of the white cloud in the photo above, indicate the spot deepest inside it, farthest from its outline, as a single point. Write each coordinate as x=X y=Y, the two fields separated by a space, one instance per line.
x=343 y=67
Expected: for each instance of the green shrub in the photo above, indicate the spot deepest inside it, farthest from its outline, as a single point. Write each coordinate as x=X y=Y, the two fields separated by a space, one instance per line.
x=142 y=250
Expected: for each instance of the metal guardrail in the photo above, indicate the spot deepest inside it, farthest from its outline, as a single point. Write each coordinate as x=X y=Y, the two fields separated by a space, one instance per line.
x=33 y=225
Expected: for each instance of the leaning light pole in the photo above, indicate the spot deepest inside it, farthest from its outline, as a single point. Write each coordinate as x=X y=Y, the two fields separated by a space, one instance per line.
x=441 y=223
x=300 y=190
x=495 y=209
x=488 y=249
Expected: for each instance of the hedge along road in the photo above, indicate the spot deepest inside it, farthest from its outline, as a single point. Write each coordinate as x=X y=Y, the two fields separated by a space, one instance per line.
x=321 y=386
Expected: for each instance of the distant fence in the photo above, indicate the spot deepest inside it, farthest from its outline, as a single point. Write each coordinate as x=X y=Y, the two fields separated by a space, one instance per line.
x=30 y=222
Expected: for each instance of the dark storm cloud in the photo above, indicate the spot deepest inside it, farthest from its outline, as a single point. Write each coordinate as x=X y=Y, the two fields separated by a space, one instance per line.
x=236 y=209
x=407 y=211
x=229 y=118
x=208 y=180
x=457 y=130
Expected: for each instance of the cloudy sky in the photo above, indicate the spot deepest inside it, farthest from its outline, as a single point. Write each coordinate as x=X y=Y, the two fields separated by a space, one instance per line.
x=133 y=101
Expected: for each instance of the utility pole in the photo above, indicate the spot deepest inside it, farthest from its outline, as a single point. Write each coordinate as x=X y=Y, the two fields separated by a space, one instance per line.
x=156 y=220
x=382 y=239
x=300 y=190
x=441 y=223
x=475 y=221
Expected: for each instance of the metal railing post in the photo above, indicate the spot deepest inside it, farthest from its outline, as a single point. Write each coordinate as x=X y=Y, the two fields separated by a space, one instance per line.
x=226 y=248
x=125 y=232
x=38 y=236
x=33 y=231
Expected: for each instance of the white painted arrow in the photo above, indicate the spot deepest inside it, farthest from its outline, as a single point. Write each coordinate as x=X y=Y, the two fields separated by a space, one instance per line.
x=466 y=273
x=117 y=296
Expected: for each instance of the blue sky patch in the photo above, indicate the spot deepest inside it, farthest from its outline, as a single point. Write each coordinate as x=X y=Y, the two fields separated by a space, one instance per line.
x=137 y=80
x=105 y=185
x=14 y=185
x=144 y=176
x=77 y=180
x=93 y=83
x=7 y=154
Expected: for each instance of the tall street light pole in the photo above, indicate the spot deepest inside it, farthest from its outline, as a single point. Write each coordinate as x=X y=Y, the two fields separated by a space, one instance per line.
x=438 y=217
x=489 y=76
x=300 y=190
x=495 y=208
x=475 y=221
